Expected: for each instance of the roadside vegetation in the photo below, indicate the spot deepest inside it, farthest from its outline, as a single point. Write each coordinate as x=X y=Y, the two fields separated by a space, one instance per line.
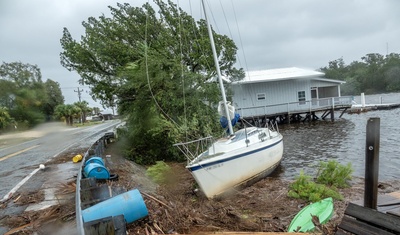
x=26 y=100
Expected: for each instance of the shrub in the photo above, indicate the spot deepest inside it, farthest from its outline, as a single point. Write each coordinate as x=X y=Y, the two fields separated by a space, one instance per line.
x=334 y=174
x=330 y=176
x=304 y=188
x=158 y=172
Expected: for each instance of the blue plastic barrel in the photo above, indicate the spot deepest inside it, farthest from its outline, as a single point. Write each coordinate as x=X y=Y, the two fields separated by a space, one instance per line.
x=129 y=204
x=95 y=159
x=96 y=170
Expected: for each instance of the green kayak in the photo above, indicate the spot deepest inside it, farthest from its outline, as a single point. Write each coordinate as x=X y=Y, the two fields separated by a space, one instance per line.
x=323 y=209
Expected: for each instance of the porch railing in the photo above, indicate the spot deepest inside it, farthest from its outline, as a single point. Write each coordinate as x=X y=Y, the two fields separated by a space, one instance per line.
x=296 y=107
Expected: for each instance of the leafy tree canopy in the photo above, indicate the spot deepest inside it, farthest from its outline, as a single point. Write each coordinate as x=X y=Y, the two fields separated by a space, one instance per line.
x=85 y=109
x=375 y=73
x=155 y=65
x=67 y=112
x=54 y=97
x=22 y=91
x=23 y=75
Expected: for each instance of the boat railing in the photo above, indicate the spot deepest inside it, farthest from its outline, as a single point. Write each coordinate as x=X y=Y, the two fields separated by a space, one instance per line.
x=194 y=148
x=272 y=125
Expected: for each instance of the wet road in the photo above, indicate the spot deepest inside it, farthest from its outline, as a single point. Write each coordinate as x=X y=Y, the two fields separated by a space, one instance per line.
x=18 y=161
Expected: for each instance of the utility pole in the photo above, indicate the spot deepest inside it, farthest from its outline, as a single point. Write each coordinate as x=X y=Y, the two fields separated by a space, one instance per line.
x=79 y=96
x=387 y=49
x=79 y=93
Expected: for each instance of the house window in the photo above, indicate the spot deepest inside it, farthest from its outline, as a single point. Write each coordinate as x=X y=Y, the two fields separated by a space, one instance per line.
x=261 y=97
x=301 y=95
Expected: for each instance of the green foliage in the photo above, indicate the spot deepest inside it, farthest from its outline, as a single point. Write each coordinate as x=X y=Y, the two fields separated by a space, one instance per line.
x=375 y=73
x=54 y=97
x=334 y=174
x=84 y=110
x=304 y=188
x=22 y=75
x=331 y=176
x=27 y=98
x=159 y=172
x=5 y=118
x=155 y=65
x=67 y=112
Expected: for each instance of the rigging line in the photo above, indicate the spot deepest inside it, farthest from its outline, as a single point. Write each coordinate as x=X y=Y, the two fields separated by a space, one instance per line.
x=182 y=77
x=197 y=37
x=240 y=37
x=250 y=94
x=147 y=72
x=212 y=16
x=241 y=45
x=229 y=29
x=244 y=55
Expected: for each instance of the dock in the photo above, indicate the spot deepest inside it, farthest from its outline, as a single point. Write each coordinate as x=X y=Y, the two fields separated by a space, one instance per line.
x=387 y=203
x=385 y=219
x=358 y=108
x=364 y=107
x=286 y=113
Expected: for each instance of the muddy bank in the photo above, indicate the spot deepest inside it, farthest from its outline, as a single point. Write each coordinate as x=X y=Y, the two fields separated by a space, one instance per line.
x=178 y=207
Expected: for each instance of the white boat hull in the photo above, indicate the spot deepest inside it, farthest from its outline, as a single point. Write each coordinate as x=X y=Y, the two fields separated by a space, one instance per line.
x=234 y=168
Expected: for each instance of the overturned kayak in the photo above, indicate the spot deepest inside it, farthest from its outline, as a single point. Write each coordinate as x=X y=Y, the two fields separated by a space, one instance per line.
x=302 y=222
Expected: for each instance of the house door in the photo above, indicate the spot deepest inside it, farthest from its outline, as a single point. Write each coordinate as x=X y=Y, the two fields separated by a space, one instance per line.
x=314 y=95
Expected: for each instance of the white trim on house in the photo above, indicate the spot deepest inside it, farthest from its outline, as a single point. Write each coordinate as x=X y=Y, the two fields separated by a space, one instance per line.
x=283 y=74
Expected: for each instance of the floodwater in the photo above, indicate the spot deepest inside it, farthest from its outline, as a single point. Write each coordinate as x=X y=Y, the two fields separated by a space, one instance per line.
x=344 y=140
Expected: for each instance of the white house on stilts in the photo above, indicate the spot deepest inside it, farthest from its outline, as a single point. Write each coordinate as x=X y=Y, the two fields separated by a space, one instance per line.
x=288 y=94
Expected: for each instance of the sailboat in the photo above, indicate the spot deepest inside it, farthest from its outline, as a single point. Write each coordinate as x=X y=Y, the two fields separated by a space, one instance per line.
x=242 y=157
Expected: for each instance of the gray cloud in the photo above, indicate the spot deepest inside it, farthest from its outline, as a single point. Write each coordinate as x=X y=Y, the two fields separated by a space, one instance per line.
x=285 y=33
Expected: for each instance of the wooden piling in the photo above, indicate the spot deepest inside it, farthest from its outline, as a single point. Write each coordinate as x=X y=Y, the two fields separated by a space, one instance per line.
x=372 y=163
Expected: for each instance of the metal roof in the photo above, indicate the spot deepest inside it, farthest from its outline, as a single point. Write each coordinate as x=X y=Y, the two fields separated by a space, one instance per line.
x=283 y=74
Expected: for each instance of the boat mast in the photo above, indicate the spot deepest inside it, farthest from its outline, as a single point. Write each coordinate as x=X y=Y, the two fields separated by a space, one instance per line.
x=221 y=84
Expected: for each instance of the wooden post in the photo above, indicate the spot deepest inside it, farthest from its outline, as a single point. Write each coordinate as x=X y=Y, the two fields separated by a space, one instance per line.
x=372 y=163
x=333 y=110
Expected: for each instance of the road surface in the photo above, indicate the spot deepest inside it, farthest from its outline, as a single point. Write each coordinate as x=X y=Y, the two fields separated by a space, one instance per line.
x=19 y=160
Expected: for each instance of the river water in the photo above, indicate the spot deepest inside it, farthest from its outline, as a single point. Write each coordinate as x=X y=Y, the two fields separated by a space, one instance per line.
x=306 y=144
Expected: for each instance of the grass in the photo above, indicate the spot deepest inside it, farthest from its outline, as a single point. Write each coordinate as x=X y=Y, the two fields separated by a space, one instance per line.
x=86 y=124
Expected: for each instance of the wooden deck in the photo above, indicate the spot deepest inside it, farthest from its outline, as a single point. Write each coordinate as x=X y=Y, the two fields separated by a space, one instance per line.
x=297 y=116
x=302 y=111
x=362 y=220
x=387 y=203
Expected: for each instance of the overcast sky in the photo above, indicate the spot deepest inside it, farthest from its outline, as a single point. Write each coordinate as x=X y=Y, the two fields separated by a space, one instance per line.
x=274 y=34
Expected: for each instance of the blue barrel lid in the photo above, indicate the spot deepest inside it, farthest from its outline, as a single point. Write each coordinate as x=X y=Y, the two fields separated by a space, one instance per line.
x=95 y=159
x=97 y=171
